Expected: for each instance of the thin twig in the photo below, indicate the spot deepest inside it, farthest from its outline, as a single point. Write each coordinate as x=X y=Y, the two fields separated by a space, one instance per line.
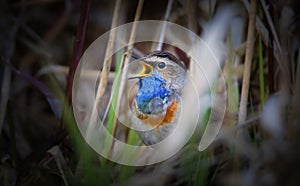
x=248 y=62
x=192 y=24
x=127 y=59
x=163 y=30
x=52 y=33
x=263 y=31
x=191 y=14
x=270 y=65
x=237 y=127
x=271 y=24
x=105 y=70
x=39 y=49
x=109 y=49
x=34 y=36
x=260 y=27
x=64 y=70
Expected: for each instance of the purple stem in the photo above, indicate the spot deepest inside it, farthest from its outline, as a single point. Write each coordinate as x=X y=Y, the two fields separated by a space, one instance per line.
x=78 y=45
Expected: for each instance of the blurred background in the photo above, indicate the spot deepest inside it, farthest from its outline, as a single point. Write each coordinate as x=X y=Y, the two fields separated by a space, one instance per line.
x=41 y=42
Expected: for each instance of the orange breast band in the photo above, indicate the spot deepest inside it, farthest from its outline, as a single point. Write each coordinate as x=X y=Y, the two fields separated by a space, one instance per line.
x=156 y=121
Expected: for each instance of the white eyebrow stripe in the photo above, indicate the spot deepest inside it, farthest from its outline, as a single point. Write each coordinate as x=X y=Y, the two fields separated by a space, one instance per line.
x=157 y=59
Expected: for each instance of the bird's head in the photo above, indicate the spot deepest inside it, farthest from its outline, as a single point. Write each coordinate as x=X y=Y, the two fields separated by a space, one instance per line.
x=164 y=64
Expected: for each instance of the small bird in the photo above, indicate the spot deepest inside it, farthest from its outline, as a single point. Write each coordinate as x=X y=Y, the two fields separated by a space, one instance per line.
x=156 y=104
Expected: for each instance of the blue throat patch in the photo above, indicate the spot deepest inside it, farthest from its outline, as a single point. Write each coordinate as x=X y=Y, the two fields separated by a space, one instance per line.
x=152 y=96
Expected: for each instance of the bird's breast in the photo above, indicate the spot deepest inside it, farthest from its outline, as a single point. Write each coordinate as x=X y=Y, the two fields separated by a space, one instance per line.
x=152 y=96
x=155 y=104
x=158 y=120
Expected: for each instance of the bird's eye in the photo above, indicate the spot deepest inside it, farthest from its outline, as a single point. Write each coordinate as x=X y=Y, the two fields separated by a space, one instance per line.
x=161 y=65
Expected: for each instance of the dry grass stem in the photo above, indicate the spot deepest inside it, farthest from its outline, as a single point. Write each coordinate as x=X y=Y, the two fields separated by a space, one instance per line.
x=63 y=70
x=271 y=24
x=109 y=49
x=261 y=29
x=248 y=62
x=126 y=60
x=163 y=30
x=105 y=70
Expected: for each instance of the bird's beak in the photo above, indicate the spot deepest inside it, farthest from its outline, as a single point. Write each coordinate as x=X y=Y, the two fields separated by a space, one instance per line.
x=146 y=70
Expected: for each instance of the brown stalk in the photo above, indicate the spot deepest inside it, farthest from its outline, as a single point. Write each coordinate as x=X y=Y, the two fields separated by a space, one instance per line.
x=163 y=30
x=193 y=26
x=248 y=62
x=260 y=27
x=105 y=70
x=126 y=59
x=110 y=46
x=271 y=24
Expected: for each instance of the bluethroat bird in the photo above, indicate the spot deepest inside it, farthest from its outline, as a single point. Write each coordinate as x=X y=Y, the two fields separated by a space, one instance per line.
x=156 y=102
